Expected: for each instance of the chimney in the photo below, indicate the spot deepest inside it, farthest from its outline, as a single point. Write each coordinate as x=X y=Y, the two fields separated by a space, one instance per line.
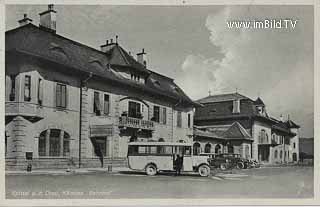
x=108 y=46
x=48 y=19
x=281 y=118
x=142 y=58
x=25 y=20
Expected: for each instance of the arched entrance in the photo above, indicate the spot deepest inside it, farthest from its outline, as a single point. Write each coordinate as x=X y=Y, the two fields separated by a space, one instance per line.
x=196 y=148
x=207 y=148
x=217 y=149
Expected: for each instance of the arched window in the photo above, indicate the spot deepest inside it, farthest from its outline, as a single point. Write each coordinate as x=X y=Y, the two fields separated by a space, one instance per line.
x=54 y=142
x=217 y=149
x=281 y=154
x=207 y=148
x=196 y=148
x=276 y=154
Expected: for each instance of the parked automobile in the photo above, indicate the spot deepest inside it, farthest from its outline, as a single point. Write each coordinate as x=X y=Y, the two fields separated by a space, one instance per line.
x=228 y=160
x=253 y=164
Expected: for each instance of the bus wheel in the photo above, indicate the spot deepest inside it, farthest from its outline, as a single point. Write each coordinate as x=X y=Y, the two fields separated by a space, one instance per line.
x=151 y=169
x=204 y=171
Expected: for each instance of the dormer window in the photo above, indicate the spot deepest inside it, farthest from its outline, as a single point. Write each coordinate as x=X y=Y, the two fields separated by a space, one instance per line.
x=260 y=110
x=236 y=106
x=137 y=78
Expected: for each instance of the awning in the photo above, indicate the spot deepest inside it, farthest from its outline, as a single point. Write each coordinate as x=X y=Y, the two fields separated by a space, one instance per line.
x=101 y=130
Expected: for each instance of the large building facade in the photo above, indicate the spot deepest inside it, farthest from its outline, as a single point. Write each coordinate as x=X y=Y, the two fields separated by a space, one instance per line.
x=266 y=139
x=65 y=100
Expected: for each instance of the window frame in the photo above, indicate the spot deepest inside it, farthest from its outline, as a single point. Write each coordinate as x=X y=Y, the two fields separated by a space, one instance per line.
x=27 y=88
x=179 y=119
x=104 y=104
x=156 y=113
x=61 y=105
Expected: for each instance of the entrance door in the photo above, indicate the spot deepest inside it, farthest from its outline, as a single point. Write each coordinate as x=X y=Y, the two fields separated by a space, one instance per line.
x=294 y=157
x=263 y=151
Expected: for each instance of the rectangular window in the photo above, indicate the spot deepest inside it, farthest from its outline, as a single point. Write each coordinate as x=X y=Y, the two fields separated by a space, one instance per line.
x=12 y=95
x=164 y=115
x=61 y=95
x=179 y=119
x=134 y=109
x=189 y=120
x=106 y=104
x=40 y=91
x=236 y=106
x=27 y=88
x=156 y=114
x=96 y=103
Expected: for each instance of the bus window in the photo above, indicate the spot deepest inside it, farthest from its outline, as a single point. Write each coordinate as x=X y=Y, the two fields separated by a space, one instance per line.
x=133 y=150
x=187 y=150
x=153 y=150
x=142 y=150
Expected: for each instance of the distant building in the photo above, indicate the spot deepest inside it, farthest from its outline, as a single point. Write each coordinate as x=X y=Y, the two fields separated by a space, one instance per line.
x=258 y=136
x=65 y=101
x=306 y=148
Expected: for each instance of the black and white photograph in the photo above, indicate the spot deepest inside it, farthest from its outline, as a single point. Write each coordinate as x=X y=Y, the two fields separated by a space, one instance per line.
x=181 y=101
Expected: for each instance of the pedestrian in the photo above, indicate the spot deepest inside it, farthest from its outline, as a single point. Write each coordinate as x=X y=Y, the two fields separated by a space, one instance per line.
x=178 y=162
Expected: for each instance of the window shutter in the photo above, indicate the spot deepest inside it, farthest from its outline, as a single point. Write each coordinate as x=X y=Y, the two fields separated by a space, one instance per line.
x=63 y=96
x=40 y=91
x=58 y=95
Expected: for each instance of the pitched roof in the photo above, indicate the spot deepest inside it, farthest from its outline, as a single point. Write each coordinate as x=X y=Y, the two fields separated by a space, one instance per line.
x=259 y=101
x=236 y=131
x=291 y=124
x=233 y=131
x=119 y=57
x=222 y=98
x=282 y=127
x=34 y=41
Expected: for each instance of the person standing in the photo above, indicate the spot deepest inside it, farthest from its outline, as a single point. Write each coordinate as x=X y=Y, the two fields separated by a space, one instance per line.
x=178 y=162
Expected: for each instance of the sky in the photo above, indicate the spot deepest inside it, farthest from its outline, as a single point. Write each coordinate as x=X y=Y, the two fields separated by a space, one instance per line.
x=194 y=45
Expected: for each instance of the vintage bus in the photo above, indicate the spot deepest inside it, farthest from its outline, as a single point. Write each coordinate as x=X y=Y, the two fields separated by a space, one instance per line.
x=153 y=157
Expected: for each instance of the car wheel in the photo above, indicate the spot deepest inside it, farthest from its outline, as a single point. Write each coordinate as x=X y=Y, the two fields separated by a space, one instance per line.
x=204 y=171
x=151 y=169
x=223 y=166
x=240 y=165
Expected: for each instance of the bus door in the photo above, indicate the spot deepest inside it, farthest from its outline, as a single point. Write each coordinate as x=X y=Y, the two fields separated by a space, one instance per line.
x=187 y=159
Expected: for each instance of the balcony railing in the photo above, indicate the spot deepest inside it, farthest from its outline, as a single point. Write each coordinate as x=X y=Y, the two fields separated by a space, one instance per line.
x=131 y=122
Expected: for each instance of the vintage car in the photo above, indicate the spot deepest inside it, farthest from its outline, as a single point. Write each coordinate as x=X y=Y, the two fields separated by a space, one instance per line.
x=228 y=160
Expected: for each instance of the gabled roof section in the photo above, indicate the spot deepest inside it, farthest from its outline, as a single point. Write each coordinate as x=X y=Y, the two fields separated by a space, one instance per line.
x=119 y=57
x=236 y=131
x=259 y=102
x=222 y=98
x=291 y=124
x=31 y=40
x=226 y=132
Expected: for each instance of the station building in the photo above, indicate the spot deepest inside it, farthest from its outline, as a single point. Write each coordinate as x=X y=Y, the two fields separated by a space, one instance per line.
x=234 y=123
x=64 y=100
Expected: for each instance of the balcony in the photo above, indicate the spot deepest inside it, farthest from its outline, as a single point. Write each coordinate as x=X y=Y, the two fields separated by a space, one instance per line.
x=32 y=112
x=125 y=121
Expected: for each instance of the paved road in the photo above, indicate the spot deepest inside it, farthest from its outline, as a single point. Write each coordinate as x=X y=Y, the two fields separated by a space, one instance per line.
x=281 y=182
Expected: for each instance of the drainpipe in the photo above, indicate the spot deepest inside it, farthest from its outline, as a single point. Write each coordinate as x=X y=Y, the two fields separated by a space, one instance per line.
x=82 y=83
